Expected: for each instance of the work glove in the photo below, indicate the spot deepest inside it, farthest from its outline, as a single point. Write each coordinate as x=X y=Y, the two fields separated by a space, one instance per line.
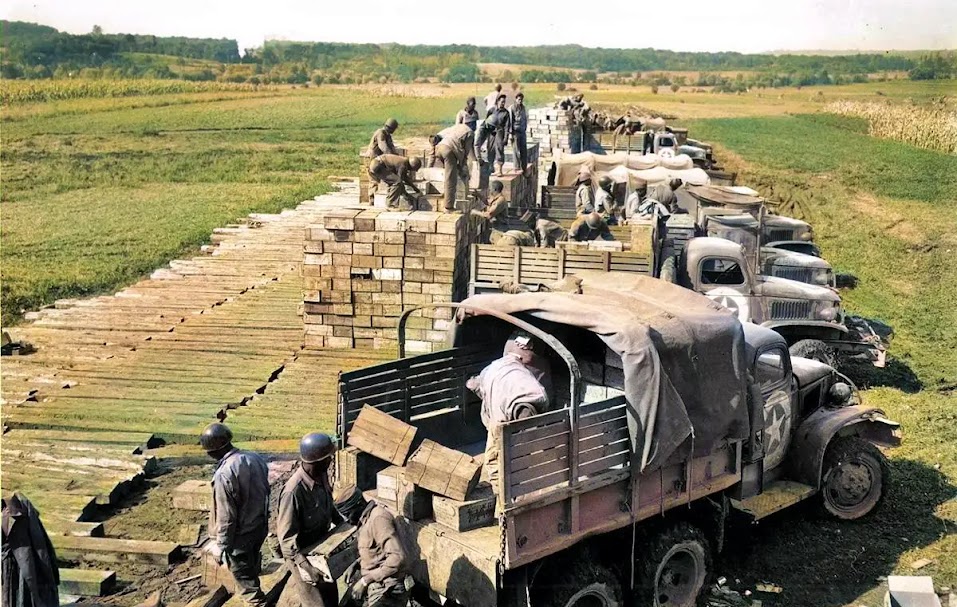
x=216 y=551
x=310 y=574
x=358 y=590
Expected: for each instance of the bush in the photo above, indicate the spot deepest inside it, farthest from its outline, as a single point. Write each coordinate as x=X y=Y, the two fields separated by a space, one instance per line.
x=654 y=89
x=560 y=86
x=593 y=87
x=675 y=88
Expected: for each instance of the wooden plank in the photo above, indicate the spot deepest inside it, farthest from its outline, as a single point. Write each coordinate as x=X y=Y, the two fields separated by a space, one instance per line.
x=213 y=598
x=539 y=457
x=544 y=482
x=551 y=466
x=193 y=495
x=442 y=470
x=601 y=465
x=592 y=442
x=87 y=582
x=114 y=550
x=540 y=444
x=382 y=435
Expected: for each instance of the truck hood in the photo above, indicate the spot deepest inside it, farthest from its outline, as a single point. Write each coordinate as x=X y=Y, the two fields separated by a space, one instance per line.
x=793 y=258
x=807 y=371
x=772 y=286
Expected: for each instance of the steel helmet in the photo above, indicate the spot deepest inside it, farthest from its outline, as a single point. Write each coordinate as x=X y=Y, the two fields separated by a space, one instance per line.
x=415 y=163
x=605 y=182
x=392 y=124
x=215 y=436
x=584 y=173
x=315 y=447
x=594 y=220
x=497 y=186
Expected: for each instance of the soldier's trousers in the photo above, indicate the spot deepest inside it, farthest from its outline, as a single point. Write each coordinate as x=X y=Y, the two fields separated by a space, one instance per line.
x=496 y=151
x=244 y=561
x=492 y=448
x=320 y=595
x=392 y=594
x=520 y=149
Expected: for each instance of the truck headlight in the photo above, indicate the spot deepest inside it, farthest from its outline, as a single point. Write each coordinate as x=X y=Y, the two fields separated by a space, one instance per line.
x=829 y=314
x=807 y=236
x=821 y=277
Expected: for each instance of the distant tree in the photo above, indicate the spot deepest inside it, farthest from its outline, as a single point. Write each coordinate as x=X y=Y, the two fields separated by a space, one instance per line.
x=675 y=88
x=654 y=89
x=317 y=79
x=560 y=86
x=97 y=30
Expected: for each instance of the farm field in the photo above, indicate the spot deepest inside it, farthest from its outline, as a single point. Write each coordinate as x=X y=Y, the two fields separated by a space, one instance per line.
x=98 y=192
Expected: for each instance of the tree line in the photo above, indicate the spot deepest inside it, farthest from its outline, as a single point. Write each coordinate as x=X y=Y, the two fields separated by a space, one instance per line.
x=37 y=51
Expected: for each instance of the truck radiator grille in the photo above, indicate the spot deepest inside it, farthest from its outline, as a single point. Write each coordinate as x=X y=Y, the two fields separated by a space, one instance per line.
x=788 y=309
x=779 y=235
x=798 y=274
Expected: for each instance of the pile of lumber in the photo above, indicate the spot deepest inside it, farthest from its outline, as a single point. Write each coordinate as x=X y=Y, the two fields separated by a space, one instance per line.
x=417 y=479
x=364 y=266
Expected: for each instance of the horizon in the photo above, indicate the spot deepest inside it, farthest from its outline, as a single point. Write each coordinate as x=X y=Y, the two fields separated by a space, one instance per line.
x=849 y=27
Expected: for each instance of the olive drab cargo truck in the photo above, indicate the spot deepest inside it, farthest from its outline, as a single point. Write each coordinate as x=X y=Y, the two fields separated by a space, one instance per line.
x=583 y=485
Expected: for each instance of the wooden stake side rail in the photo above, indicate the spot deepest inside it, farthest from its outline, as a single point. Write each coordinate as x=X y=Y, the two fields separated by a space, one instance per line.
x=492 y=265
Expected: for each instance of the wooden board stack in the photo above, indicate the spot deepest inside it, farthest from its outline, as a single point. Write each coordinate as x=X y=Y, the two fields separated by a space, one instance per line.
x=553 y=130
x=364 y=266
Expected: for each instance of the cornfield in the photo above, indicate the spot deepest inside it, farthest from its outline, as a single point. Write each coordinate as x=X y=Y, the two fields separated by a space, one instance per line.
x=929 y=127
x=35 y=91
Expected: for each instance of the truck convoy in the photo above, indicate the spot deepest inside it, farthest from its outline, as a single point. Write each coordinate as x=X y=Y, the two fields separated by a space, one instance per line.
x=668 y=416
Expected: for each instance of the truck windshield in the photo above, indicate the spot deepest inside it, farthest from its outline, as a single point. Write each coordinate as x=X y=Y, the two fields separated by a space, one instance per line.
x=719 y=271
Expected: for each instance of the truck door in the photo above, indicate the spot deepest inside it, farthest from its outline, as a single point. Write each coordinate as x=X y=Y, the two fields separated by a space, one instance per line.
x=725 y=281
x=772 y=375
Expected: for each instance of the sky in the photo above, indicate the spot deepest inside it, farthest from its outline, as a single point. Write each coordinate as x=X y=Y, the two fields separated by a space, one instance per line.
x=750 y=26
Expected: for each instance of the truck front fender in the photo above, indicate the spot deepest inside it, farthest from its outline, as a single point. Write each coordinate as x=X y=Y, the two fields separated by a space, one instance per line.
x=816 y=325
x=816 y=432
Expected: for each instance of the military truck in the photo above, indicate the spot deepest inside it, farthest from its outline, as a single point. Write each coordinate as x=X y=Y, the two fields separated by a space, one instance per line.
x=667 y=414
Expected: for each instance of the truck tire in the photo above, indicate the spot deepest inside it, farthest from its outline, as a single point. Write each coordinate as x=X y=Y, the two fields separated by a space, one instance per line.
x=815 y=349
x=584 y=583
x=669 y=270
x=674 y=567
x=854 y=480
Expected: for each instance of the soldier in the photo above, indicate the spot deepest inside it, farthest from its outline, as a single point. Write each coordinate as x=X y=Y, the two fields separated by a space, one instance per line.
x=511 y=387
x=518 y=121
x=454 y=146
x=383 y=562
x=396 y=172
x=238 y=520
x=468 y=116
x=496 y=210
x=605 y=203
x=381 y=142
x=590 y=227
x=503 y=126
x=584 y=195
x=549 y=232
x=306 y=513
x=30 y=574
x=491 y=100
x=488 y=130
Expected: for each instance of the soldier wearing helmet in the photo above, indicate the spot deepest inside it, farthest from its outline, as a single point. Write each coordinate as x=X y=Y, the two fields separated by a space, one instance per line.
x=381 y=142
x=605 y=203
x=238 y=520
x=590 y=227
x=306 y=513
x=584 y=195
x=515 y=386
x=383 y=560
x=396 y=172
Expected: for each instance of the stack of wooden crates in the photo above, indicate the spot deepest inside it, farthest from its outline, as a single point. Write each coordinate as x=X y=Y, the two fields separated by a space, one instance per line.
x=364 y=266
x=415 y=479
x=553 y=130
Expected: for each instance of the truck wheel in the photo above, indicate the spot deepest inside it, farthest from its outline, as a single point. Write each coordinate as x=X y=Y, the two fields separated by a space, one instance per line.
x=815 y=349
x=587 y=584
x=855 y=480
x=669 y=270
x=674 y=568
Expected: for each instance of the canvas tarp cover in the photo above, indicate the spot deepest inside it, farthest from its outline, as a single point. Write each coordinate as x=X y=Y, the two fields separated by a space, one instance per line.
x=683 y=355
x=568 y=165
x=635 y=177
x=726 y=195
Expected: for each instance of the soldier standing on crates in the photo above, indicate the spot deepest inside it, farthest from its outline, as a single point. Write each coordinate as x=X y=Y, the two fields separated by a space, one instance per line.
x=454 y=146
x=306 y=514
x=238 y=522
x=383 y=561
x=518 y=122
x=381 y=142
x=468 y=116
x=503 y=127
x=584 y=195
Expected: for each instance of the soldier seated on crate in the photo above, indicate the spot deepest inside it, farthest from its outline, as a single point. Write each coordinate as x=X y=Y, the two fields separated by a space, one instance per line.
x=382 y=579
x=605 y=203
x=590 y=227
x=396 y=172
x=306 y=514
x=515 y=386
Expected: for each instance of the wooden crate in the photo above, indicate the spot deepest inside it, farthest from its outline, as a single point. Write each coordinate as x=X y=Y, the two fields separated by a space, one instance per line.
x=336 y=553
x=476 y=510
x=355 y=467
x=442 y=470
x=382 y=435
x=493 y=265
x=401 y=495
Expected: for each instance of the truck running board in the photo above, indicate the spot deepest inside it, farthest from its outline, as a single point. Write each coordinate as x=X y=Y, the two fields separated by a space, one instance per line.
x=776 y=496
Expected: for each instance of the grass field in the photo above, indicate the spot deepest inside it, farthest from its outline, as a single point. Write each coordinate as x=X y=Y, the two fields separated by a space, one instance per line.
x=97 y=192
